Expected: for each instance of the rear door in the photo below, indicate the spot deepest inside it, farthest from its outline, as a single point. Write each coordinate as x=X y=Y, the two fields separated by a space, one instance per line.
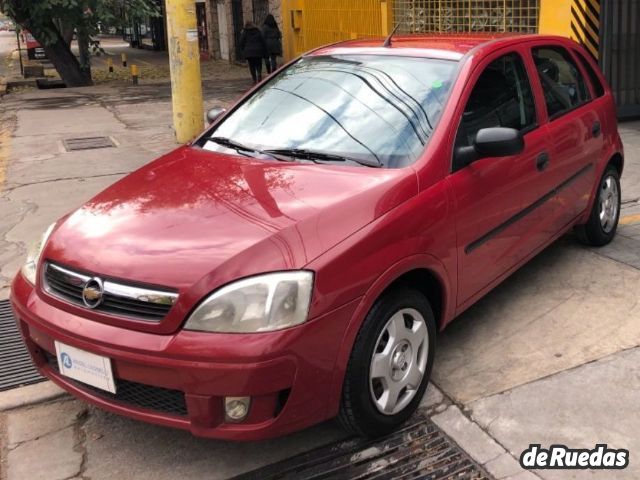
x=575 y=130
x=492 y=194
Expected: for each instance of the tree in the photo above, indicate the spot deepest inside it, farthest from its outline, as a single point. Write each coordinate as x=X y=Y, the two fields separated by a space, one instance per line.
x=53 y=22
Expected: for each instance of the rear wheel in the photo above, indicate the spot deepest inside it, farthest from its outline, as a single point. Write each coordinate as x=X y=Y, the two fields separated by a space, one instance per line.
x=390 y=364
x=603 y=220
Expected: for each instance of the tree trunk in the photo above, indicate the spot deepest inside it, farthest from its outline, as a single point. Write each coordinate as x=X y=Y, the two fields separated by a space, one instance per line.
x=60 y=55
x=65 y=30
x=67 y=33
x=67 y=64
x=85 y=55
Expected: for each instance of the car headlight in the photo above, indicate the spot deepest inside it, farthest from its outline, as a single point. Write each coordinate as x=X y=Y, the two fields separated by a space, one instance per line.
x=33 y=256
x=258 y=304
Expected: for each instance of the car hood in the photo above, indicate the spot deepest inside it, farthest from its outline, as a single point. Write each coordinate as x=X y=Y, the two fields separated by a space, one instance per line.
x=194 y=212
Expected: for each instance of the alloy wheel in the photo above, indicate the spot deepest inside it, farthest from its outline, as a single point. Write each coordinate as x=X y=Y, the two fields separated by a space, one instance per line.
x=399 y=361
x=609 y=200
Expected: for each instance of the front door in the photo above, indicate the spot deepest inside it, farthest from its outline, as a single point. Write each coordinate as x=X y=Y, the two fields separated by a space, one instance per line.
x=260 y=11
x=490 y=193
x=238 y=25
x=203 y=36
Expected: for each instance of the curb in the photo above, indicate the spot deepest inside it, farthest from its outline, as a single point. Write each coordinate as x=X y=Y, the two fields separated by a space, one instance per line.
x=30 y=395
x=22 y=82
x=480 y=446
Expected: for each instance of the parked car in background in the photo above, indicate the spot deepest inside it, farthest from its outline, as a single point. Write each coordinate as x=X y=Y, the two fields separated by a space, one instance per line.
x=296 y=262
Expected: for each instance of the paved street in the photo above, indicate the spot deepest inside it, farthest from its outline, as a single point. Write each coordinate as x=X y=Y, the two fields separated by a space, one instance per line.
x=551 y=356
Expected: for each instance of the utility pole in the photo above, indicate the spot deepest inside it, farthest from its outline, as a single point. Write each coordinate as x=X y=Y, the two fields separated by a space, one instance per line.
x=184 y=62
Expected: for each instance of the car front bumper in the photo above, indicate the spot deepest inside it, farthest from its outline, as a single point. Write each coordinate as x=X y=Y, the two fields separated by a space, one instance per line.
x=181 y=380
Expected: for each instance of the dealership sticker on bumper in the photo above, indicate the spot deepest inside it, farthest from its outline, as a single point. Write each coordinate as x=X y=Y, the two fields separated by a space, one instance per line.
x=85 y=367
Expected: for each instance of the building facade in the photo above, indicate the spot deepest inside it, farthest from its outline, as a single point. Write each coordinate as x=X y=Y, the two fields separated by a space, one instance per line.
x=608 y=29
x=225 y=20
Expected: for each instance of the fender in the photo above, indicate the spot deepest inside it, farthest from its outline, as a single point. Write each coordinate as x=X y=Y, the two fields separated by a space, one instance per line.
x=421 y=261
x=611 y=149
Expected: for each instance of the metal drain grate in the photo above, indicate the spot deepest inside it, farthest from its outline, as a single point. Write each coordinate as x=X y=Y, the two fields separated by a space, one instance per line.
x=418 y=451
x=17 y=369
x=87 y=143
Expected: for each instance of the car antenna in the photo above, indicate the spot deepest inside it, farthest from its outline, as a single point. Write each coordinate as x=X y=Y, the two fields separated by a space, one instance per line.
x=387 y=42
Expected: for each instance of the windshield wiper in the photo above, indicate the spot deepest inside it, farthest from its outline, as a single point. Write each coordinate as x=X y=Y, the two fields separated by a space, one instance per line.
x=227 y=142
x=314 y=156
x=240 y=148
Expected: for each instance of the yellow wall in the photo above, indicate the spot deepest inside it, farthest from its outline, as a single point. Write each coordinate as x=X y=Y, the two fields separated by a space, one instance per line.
x=308 y=24
x=555 y=17
x=311 y=23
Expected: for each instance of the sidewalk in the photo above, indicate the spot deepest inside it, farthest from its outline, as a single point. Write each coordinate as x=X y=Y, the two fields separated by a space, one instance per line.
x=549 y=357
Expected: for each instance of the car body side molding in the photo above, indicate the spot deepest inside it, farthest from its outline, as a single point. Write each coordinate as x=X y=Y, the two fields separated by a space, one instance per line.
x=525 y=211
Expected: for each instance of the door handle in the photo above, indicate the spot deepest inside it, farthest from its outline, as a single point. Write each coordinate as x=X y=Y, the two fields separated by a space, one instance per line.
x=596 y=129
x=542 y=161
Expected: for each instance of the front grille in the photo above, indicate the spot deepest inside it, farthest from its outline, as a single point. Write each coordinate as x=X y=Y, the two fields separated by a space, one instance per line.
x=134 y=394
x=117 y=298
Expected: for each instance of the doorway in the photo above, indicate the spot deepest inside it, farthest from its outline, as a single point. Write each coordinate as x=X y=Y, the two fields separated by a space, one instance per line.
x=238 y=25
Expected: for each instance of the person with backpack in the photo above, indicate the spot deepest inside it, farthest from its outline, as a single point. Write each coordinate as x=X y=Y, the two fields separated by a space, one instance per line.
x=273 y=40
x=254 y=49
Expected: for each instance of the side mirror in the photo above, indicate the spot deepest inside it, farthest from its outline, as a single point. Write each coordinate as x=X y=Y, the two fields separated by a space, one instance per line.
x=490 y=142
x=499 y=142
x=214 y=113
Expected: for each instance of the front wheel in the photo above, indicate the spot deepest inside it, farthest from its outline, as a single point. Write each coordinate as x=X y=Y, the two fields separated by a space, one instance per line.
x=603 y=220
x=390 y=364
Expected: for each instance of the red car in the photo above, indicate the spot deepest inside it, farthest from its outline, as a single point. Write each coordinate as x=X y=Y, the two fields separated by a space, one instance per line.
x=296 y=262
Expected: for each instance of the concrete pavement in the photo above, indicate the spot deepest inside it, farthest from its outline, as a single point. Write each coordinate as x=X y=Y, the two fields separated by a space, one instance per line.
x=549 y=357
x=594 y=403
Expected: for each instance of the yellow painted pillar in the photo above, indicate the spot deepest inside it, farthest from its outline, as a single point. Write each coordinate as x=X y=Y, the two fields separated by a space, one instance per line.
x=184 y=63
x=386 y=15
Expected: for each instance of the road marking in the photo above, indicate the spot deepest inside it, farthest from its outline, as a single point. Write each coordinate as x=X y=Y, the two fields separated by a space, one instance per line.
x=630 y=220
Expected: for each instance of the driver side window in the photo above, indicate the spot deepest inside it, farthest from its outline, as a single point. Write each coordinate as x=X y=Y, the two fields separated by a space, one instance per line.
x=501 y=97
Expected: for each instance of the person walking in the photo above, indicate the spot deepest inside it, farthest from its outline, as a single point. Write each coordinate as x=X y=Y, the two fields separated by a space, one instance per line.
x=273 y=41
x=254 y=49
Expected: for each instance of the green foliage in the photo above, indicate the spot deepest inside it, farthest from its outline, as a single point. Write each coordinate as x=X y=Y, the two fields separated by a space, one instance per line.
x=84 y=16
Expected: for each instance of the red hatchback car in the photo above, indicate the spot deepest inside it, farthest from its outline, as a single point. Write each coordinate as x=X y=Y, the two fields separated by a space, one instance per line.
x=296 y=261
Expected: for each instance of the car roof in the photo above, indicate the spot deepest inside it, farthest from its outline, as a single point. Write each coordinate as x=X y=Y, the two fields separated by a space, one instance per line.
x=442 y=46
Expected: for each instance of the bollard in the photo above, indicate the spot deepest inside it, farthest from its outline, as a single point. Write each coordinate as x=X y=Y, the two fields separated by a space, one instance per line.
x=110 y=64
x=124 y=59
x=134 y=73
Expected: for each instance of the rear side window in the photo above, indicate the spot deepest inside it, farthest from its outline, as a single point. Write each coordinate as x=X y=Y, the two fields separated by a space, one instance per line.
x=563 y=84
x=502 y=97
x=598 y=88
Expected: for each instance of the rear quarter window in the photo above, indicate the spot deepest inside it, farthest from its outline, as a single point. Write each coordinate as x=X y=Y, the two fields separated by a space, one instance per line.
x=562 y=82
x=598 y=88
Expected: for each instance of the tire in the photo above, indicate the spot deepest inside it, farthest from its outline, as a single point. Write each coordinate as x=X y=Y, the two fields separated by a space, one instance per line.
x=598 y=232
x=363 y=397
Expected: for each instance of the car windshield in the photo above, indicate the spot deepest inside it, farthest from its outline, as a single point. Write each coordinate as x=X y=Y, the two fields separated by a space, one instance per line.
x=376 y=110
